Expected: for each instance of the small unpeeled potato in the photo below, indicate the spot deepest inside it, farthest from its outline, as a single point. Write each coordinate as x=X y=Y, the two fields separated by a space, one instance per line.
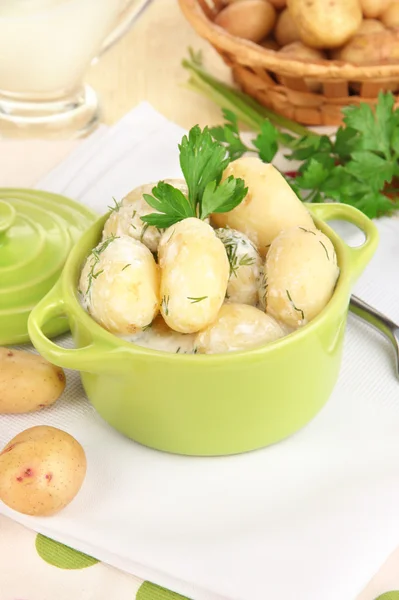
x=374 y=8
x=301 y=272
x=279 y=4
x=286 y=31
x=302 y=52
x=28 y=382
x=390 y=16
x=270 y=44
x=269 y=206
x=325 y=24
x=250 y=19
x=238 y=327
x=370 y=26
x=41 y=471
x=194 y=275
x=381 y=47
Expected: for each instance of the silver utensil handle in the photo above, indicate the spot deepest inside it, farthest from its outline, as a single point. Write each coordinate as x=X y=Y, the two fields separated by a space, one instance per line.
x=378 y=321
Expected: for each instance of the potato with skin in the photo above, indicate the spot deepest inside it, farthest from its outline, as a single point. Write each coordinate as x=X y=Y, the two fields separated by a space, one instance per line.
x=279 y=4
x=390 y=16
x=269 y=206
x=370 y=26
x=375 y=48
x=374 y=8
x=194 y=275
x=325 y=24
x=28 y=382
x=286 y=31
x=238 y=327
x=41 y=471
x=245 y=267
x=125 y=218
x=250 y=19
x=119 y=285
x=301 y=272
x=302 y=52
x=270 y=44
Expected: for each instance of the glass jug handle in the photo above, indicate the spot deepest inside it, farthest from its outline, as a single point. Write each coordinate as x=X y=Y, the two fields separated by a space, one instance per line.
x=127 y=17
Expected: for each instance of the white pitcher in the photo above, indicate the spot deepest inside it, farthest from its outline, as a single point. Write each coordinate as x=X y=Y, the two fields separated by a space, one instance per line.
x=46 y=46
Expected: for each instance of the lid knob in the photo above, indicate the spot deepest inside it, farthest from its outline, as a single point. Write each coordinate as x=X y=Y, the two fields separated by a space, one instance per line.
x=7 y=216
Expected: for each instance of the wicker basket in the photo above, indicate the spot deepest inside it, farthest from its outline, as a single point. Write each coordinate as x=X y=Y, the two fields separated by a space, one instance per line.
x=281 y=83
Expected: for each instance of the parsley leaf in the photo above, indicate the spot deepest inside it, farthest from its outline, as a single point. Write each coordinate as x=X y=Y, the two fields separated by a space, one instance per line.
x=170 y=202
x=202 y=160
x=266 y=141
x=222 y=198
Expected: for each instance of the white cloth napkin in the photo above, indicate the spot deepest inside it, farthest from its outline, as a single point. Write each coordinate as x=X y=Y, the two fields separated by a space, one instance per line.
x=311 y=518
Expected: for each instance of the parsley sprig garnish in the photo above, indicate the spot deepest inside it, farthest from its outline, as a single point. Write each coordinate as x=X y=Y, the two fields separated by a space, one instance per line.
x=359 y=166
x=202 y=160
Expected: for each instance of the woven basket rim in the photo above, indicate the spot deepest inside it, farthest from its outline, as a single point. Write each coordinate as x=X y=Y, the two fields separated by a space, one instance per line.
x=253 y=55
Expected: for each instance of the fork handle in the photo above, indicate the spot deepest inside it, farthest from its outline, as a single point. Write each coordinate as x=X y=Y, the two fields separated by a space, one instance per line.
x=378 y=321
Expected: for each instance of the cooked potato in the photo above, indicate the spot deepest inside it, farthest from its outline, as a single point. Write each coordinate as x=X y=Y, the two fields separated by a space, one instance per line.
x=125 y=218
x=245 y=266
x=120 y=285
x=370 y=26
x=302 y=52
x=374 y=48
x=374 y=8
x=269 y=206
x=286 y=31
x=41 y=471
x=194 y=275
x=301 y=272
x=325 y=23
x=250 y=19
x=390 y=16
x=161 y=337
x=27 y=382
x=238 y=327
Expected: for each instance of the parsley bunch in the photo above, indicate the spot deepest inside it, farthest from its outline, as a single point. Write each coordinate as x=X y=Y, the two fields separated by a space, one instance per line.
x=359 y=166
x=202 y=160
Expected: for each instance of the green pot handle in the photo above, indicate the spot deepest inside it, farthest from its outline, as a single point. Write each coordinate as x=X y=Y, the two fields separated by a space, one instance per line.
x=361 y=255
x=52 y=306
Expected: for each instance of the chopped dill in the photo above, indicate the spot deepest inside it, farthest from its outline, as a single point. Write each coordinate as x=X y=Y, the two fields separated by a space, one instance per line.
x=294 y=307
x=195 y=300
x=165 y=304
x=126 y=266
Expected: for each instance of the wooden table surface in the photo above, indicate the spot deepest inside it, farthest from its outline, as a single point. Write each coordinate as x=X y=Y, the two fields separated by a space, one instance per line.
x=145 y=65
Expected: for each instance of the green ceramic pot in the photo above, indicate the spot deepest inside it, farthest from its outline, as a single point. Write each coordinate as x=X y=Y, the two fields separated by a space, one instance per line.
x=207 y=405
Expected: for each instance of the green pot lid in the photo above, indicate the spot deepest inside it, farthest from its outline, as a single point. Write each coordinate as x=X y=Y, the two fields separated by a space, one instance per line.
x=37 y=231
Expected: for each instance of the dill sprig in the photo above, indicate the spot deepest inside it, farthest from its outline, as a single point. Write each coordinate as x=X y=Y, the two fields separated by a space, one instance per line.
x=95 y=254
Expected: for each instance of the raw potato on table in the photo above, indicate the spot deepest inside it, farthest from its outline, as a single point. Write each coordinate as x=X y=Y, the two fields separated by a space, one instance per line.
x=301 y=272
x=269 y=206
x=41 y=471
x=325 y=23
x=249 y=19
x=28 y=382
